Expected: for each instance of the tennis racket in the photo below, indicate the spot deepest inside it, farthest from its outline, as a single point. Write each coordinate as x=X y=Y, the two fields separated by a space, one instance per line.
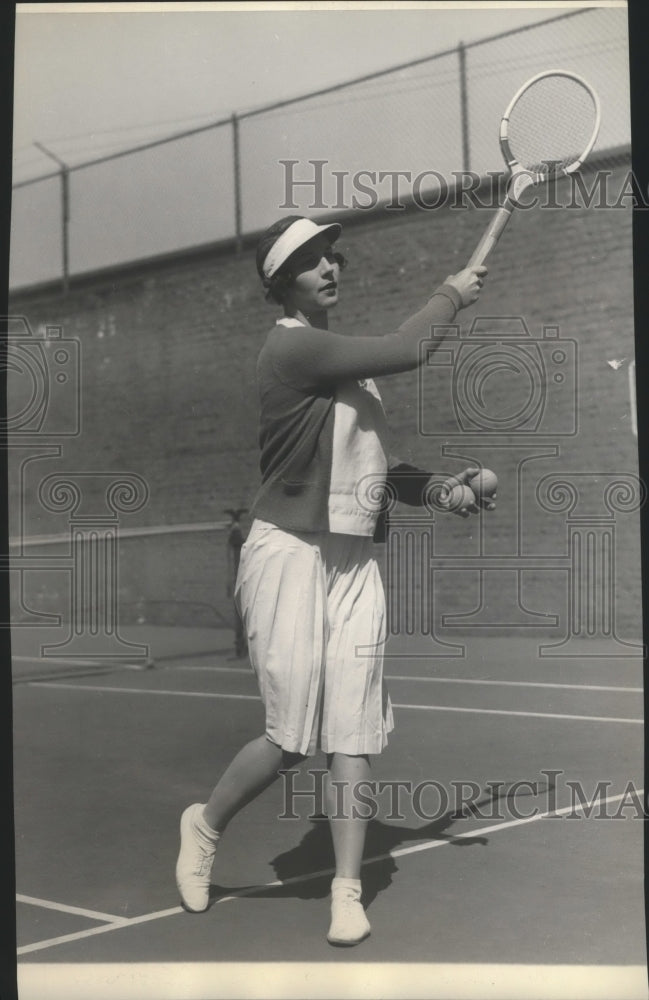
x=548 y=130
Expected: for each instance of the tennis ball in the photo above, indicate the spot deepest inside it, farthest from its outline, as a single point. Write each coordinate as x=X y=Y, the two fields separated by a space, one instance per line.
x=460 y=497
x=485 y=483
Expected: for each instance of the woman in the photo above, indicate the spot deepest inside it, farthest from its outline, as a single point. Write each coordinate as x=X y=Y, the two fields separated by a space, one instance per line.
x=308 y=587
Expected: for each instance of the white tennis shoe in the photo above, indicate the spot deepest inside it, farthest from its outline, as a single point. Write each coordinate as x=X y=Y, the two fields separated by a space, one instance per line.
x=349 y=925
x=194 y=865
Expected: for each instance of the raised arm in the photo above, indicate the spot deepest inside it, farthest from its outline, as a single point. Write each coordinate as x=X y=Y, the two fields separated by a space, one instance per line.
x=307 y=355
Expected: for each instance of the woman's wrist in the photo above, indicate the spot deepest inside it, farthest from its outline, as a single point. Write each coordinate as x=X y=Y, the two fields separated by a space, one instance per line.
x=451 y=293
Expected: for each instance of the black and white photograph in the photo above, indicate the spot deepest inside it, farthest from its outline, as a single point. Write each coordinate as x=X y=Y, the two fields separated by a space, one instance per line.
x=325 y=502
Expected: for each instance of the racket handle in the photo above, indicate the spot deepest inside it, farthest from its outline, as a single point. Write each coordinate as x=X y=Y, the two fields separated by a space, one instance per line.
x=492 y=234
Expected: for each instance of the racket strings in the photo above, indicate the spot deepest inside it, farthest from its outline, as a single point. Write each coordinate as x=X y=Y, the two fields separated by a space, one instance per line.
x=551 y=124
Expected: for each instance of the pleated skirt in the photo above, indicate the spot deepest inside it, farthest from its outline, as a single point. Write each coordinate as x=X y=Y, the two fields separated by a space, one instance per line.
x=313 y=607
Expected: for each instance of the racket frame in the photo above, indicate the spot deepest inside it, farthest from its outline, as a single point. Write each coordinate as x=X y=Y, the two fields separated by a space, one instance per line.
x=520 y=178
x=509 y=157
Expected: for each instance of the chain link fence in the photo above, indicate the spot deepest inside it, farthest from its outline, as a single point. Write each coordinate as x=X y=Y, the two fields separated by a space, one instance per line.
x=354 y=145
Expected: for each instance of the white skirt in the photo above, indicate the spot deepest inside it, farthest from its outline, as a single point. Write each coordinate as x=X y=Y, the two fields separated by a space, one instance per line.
x=313 y=607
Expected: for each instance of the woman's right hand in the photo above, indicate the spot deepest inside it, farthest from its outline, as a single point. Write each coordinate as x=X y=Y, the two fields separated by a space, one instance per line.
x=468 y=283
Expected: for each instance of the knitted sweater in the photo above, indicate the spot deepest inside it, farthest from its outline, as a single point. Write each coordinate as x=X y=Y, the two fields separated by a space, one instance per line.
x=323 y=434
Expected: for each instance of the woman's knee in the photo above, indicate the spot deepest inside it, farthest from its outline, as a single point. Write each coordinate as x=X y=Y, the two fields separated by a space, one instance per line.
x=337 y=757
x=290 y=759
x=286 y=758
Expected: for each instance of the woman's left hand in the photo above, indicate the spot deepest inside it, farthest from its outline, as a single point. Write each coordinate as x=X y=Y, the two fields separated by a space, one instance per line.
x=456 y=496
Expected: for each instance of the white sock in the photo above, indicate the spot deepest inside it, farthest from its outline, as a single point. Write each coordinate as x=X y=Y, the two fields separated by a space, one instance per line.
x=346 y=883
x=205 y=828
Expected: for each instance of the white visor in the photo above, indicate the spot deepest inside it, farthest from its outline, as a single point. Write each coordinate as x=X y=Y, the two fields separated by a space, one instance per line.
x=294 y=237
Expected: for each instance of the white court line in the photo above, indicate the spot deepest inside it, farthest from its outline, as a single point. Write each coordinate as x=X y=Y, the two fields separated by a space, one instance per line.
x=220 y=670
x=310 y=876
x=388 y=677
x=532 y=715
x=103 y=929
x=127 y=690
x=533 y=684
x=78 y=911
x=255 y=697
x=447 y=680
x=55 y=659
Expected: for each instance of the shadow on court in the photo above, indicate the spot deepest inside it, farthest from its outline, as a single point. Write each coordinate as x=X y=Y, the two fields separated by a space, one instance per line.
x=315 y=853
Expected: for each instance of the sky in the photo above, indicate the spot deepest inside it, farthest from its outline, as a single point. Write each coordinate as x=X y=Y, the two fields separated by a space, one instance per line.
x=88 y=81
x=91 y=81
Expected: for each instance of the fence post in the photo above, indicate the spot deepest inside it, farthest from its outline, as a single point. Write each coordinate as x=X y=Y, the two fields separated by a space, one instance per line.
x=65 y=212
x=65 y=198
x=237 y=180
x=464 y=108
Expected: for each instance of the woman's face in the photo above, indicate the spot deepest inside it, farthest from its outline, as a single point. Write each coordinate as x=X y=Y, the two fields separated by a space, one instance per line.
x=315 y=281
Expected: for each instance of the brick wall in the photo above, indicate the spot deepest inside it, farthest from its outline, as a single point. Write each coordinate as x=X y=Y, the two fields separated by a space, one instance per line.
x=168 y=356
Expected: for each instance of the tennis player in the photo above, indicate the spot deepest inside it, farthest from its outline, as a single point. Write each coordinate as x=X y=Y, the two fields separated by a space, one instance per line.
x=308 y=587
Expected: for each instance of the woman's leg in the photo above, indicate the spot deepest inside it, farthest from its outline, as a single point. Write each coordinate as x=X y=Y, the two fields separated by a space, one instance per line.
x=347 y=828
x=255 y=767
x=280 y=593
x=349 y=925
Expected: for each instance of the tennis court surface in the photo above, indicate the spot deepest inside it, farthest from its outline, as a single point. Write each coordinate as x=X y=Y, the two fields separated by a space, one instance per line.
x=511 y=865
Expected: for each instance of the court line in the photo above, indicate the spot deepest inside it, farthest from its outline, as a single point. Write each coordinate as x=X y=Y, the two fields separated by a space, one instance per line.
x=448 y=680
x=172 y=668
x=127 y=690
x=253 y=697
x=44 y=660
x=78 y=911
x=103 y=929
x=531 y=715
x=310 y=876
x=534 y=684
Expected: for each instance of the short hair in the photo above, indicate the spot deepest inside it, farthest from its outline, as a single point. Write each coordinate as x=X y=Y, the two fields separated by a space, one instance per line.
x=277 y=286
x=270 y=237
